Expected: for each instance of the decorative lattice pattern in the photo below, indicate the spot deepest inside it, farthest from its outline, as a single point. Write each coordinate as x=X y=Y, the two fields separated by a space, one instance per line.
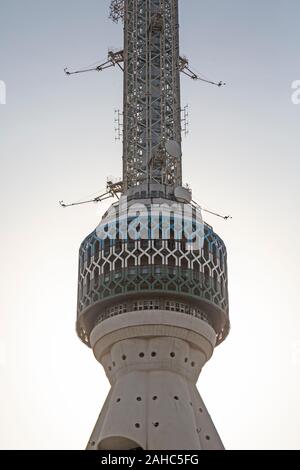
x=115 y=267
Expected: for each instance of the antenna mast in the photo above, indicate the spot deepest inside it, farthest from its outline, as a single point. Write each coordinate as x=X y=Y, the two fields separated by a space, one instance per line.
x=153 y=120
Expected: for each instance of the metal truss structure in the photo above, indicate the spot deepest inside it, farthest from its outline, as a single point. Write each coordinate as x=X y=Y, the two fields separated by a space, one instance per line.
x=116 y=10
x=152 y=112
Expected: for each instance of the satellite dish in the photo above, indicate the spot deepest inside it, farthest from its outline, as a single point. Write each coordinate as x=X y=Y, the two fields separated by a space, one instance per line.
x=183 y=194
x=173 y=148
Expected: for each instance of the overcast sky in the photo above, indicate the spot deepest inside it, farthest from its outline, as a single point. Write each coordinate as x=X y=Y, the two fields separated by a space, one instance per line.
x=241 y=157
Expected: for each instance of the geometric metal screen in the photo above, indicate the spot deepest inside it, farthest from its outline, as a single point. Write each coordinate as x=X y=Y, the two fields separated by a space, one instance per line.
x=112 y=269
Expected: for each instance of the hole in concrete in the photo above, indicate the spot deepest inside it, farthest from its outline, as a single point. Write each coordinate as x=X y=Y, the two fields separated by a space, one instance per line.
x=186 y=359
x=118 y=443
x=114 y=364
x=153 y=354
x=154 y=398
x=118 y=400
x=156 y=425
x=124 y=357
x=139 y=399
x=172 y=354
x=137 y=425
x=192 y=364
x=176 y=397
x=109 y=368
x=142 y=354
x=207 y=438
x=200 y=409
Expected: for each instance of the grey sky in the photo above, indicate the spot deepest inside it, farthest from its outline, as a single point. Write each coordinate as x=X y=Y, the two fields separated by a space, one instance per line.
x=241 y=157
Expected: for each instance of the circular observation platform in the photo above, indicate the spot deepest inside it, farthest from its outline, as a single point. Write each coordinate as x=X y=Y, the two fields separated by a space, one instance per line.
x=164 y=272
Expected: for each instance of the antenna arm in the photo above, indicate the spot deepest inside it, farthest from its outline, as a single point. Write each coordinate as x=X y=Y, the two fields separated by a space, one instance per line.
x=99 y=68
x=184 y=68
x=112 y=190
x=100 y=198
x=189 y=73
x=219 y=84
x=114 y=58
x=225 y=217
x=62 y=204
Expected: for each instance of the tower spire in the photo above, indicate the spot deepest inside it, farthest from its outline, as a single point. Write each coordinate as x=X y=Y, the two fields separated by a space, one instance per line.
x=152 y=111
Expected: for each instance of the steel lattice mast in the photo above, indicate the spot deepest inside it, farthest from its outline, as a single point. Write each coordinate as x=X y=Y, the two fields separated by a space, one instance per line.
x=152 y=111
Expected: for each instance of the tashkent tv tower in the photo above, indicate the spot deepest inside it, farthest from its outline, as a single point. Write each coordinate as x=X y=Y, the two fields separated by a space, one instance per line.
x=152 y=287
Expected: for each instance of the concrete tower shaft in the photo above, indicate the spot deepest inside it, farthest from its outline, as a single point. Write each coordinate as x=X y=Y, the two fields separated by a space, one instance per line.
x=153 y=364
x=152 y=112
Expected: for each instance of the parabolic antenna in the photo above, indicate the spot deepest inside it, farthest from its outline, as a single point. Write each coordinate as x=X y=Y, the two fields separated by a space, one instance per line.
x=173 y=148
x=183 y=194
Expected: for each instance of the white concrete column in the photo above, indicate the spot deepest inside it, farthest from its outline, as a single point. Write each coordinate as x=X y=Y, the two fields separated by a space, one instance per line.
x=153 y=363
